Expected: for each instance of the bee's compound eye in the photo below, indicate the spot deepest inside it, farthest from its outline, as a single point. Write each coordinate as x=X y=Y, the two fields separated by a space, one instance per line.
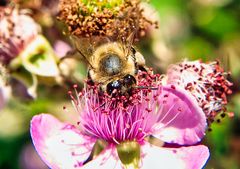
x=129 y=80
x=113 y=85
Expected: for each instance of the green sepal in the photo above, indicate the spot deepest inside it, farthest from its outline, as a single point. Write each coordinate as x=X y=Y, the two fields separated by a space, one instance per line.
x=129 y=154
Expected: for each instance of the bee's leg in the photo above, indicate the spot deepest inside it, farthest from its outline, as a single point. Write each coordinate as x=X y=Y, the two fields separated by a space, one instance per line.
x=139 y=59
x=143 y=68
x=140 y=63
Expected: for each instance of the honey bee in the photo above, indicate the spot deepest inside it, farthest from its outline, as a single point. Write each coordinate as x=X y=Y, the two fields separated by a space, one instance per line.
x=112 y=64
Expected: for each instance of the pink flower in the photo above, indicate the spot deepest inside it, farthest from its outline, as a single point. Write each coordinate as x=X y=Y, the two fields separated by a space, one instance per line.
x=124 y=124
x=205 y=81
x=17 y=30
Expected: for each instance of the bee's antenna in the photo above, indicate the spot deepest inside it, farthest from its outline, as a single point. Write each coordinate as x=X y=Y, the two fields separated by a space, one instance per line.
x=85 y=58
x=146 y=87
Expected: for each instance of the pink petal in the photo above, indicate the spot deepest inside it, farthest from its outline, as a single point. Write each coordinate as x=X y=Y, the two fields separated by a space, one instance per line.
x=61 y=146
x=192 y=157
x=106 y=160
x=181 y=120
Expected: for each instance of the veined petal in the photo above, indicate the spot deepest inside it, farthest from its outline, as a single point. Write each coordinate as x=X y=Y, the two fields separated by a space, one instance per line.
x=60 y=145
x=192 y=157
x=108 y=159
x=181 y=121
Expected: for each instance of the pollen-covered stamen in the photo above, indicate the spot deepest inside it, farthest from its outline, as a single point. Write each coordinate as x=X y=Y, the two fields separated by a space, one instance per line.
x=120 y=118
x=104 y=18
x=206 y=82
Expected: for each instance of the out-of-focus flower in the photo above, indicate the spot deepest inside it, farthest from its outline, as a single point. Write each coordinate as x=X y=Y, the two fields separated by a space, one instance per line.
x=5 y=90
x=17 y=31
x=61 y=48
x=205 y=81
x=24 y=51
x=44 y=11
x=112 y=132
x=29 y=159
x=21 y=41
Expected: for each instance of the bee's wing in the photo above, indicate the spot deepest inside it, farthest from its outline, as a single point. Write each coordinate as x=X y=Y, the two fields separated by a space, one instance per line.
x=87 y=45
x=127 y=43
x=83 y=45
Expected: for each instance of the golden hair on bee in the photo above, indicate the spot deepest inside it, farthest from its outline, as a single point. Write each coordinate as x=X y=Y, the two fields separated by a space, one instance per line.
x=113 y=64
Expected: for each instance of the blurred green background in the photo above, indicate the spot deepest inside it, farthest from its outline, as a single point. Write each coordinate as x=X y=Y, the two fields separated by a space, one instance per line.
x=188 y=29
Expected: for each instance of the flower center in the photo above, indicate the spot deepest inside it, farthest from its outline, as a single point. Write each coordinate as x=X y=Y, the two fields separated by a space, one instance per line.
x=122 y=117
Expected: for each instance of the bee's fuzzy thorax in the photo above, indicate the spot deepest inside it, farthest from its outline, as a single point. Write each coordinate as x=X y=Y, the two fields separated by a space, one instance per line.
x=126 y=63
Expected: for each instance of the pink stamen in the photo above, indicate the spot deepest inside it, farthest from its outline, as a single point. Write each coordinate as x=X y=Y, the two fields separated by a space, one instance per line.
x=118 y=118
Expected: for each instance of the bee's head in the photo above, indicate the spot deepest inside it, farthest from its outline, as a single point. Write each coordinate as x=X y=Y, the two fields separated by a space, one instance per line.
x=122 y=85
